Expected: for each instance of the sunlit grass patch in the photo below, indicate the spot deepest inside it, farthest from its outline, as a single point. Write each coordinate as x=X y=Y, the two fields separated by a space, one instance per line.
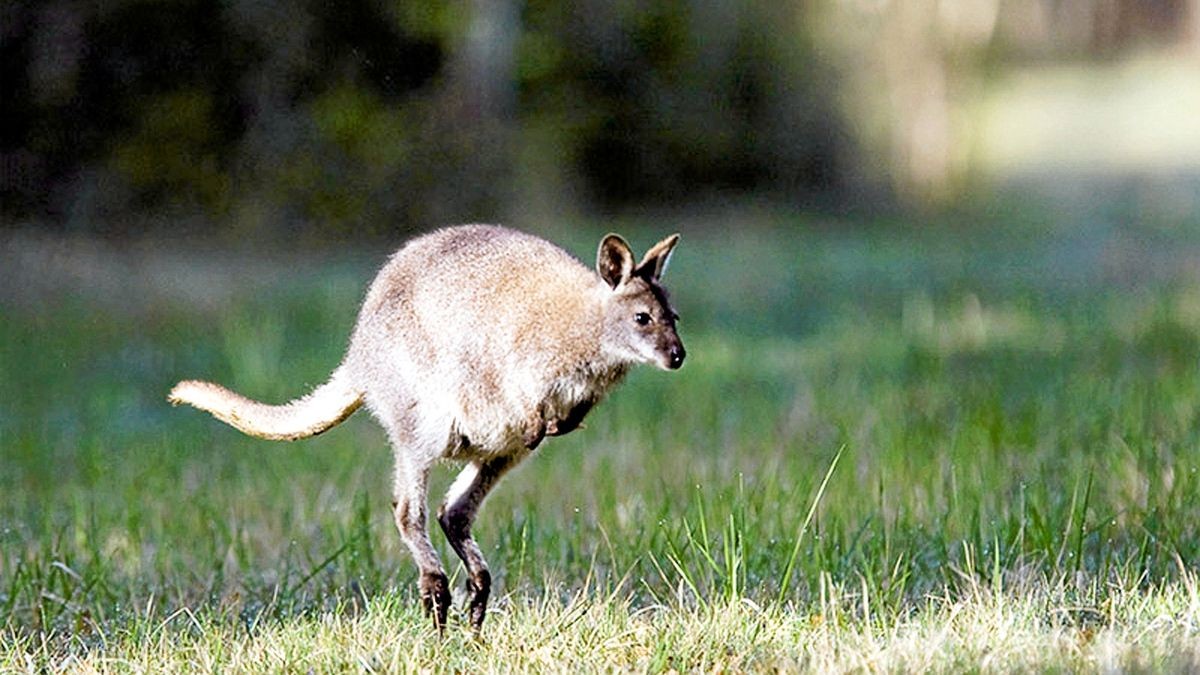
x=1031 y=623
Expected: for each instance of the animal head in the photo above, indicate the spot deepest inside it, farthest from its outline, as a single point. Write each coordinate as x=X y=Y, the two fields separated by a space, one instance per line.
x=639 y=322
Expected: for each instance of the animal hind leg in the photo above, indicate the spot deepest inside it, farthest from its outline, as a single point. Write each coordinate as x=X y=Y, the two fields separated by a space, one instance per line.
x=456 y=515
x=409 y=510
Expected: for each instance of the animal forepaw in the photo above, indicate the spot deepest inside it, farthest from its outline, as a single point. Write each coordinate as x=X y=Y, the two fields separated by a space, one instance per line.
x=435 y=597
x=535 y=431
x=561 y=427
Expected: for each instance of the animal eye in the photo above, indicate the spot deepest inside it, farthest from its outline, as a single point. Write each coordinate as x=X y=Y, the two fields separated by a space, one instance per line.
x=642 y=318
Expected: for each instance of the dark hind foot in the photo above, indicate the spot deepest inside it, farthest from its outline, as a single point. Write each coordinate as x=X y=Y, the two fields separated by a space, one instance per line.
x=479 y=584
x=435 y=597
x=479 y=587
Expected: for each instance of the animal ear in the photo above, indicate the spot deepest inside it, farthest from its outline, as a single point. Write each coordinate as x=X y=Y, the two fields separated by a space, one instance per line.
x=614 y=260
x=654 y=263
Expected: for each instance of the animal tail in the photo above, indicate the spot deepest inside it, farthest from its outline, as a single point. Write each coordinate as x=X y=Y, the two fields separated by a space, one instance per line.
x=323 y=408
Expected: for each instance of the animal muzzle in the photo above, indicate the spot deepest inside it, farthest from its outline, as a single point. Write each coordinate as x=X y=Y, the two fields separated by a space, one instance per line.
x=675 y=356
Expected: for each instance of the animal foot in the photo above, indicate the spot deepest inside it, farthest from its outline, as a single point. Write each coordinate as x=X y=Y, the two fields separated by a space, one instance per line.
x=479 y=587
x=535 y=431
x=435 y=597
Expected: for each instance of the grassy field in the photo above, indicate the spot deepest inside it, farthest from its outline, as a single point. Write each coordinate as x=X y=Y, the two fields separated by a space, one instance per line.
x=1007 y=411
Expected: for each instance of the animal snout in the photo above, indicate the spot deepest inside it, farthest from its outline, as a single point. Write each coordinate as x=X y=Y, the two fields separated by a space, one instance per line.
x=675 y=356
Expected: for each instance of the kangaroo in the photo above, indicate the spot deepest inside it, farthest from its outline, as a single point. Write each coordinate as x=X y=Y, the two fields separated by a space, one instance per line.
x=475 y=343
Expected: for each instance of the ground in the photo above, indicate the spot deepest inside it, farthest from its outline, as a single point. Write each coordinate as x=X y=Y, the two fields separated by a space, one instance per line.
x=967 y=444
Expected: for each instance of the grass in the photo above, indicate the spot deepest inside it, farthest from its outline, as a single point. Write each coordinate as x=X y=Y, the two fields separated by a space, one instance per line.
x=954 y=447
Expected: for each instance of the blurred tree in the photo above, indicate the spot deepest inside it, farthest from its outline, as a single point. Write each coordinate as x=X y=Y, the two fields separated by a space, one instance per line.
x=79 y=80
x=368 y=115
x=331 y=126
x=194 y=105
x=659 y=101
x=912 y=71
x=272 y=115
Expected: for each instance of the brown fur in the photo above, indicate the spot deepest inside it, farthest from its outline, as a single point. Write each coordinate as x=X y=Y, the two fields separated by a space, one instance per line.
x=476 y=343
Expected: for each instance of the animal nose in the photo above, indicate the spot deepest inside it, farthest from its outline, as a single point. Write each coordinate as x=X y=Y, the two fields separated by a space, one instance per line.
x=676 y=355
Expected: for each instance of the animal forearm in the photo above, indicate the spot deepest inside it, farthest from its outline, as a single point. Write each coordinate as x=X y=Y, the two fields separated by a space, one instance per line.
x=572 y=421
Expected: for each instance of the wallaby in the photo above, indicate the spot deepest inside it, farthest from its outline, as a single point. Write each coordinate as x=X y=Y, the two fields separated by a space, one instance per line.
x=474 y=343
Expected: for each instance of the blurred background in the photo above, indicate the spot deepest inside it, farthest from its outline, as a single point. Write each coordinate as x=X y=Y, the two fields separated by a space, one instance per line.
x=314 y=119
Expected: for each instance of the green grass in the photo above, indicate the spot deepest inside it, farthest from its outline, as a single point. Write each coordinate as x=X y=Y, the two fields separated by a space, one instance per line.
x=1014 y=412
